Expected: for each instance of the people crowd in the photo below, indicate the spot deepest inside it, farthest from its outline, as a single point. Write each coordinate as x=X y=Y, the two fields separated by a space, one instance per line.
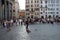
x=10 y=23
x=17 y=22
x=43 y=20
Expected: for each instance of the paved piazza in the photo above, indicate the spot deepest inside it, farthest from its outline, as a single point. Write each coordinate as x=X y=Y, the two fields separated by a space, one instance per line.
x=38 y=32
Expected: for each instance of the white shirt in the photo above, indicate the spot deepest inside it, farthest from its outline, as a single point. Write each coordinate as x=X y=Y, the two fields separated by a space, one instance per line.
x=20 y=20
x=5 y=23
x=11 y=21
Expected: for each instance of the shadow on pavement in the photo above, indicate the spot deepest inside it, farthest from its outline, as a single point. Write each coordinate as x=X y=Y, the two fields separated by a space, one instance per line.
x=27 y=30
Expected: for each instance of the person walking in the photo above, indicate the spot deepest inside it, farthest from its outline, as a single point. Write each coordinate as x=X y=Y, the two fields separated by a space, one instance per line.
x=20 y=21
x=16 y=22
x=27 y=23
x=9 y=25
x=5 y=24
x=11 y=22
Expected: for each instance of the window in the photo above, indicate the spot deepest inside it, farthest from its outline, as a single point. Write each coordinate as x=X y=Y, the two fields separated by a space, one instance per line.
x=27 y=9
x=57 y=16
x=31 y=1
x=37 y=9
x=41 y=9
x=57 y=12
x=27 y=5
x=45 y=1
x=52 y=9
x=45 y=16
x=41 y=2
x=37 y=1
x=27 y=14
x=32 y=9
x=27 y=1
x=37 y=13
x=57 y=9
x=41 y=12
x=37 y=5
x=45 y=6
x=31 y=5
x=51 y=12
x=41 y=6
x=46 y=12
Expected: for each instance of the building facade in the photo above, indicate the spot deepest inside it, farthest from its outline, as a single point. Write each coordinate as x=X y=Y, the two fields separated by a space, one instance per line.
x=32 y=8
x=16 y=9
x=6 y=9
x=49 y=8
x=42 y=8
x=0 y=10
x=22 y=14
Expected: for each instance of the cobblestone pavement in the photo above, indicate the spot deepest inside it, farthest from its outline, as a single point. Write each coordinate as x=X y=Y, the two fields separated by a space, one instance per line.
x=38 y=32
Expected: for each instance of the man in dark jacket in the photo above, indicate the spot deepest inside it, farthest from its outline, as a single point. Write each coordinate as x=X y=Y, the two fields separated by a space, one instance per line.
x=27 y=29
x=27 y=23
